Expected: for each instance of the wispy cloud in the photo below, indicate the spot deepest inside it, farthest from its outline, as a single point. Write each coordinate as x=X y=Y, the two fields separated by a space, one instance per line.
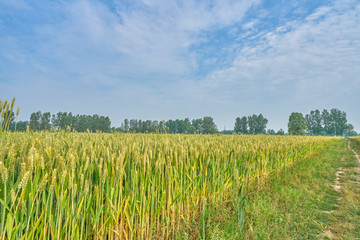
x=153 y=37
x=306 y=63
x=162 y=59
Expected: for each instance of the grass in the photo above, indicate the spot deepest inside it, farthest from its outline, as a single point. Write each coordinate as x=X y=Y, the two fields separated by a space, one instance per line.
x=300 y=202
x=345 y=220
x=294 y=204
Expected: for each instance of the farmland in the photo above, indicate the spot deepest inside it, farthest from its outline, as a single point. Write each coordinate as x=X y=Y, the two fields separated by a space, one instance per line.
x=68 y=185
x=179 y=120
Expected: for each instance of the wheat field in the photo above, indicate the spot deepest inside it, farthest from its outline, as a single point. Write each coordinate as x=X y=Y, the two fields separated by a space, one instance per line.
x=66 y=185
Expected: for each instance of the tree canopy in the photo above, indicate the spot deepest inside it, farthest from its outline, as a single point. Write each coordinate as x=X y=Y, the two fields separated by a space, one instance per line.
x=331 y=123
x=325 y=122
x=203 y=125
x=254 y=124
x=63 y=120
x=297 y=124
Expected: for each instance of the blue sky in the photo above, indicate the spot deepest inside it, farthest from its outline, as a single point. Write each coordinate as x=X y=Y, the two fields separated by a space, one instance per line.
x=174 y=59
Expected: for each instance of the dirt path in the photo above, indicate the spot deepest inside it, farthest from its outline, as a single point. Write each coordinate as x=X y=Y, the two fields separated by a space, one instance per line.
x=358 y=160
x=340 y=186
x=337 y=185
x=356 y=155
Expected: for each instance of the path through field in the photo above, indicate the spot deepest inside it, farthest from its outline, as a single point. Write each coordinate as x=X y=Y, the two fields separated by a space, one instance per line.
x=357 y=169
x=316 y=198
x=355 y=153
x=347 y=182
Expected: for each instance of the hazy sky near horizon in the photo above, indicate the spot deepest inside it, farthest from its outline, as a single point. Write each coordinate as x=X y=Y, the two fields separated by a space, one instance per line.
x=167 y=59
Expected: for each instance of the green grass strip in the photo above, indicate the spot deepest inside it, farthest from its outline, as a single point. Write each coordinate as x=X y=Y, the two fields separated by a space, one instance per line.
x=300 y=202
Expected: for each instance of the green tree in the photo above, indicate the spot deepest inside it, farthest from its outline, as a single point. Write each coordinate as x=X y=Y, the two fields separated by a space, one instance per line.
x=149 y=125
x=45 y=121
x=271 y=132
x=198 y=123
x=192 y=130
x=280 y=132
x=314 y=120
x=186 y=124
x=171 y=125
x=126 y=125
x=20 y=126
x=162 y=126
x=334 y=123
x=257 y=124
x=59 y=120
x=237 y=127
x=209 y=126
x=35 y=121
x=260 y=125
x=244 y=125
x=297 y=124
x=350 y=132
x=132 y=125
x=252 y=123
x=339 y=121
x=328 y=126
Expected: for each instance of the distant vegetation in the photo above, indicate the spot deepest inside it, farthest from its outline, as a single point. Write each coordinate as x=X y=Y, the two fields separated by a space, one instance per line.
x=255 y=124
x=203 y=125
x=316 y=123
x=297 y=124
x=330 y=123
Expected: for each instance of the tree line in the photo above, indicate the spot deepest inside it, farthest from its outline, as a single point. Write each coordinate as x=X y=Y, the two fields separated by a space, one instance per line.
x=62 y=120
x=203 y=125
x=82 y=123
x=254 y=124
x=325 y=123
x=316 y=123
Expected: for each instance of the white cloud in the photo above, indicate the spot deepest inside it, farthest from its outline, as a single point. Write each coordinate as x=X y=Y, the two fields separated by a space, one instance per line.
x=146 y=53
x=311 y=59
x=250 y=25
x=299 y=66
x=320 y=12
x=153 y=38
